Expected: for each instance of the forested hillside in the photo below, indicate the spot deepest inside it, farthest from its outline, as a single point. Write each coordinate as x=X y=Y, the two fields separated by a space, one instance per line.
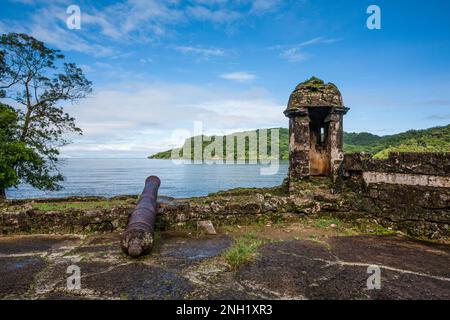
x=429 y=140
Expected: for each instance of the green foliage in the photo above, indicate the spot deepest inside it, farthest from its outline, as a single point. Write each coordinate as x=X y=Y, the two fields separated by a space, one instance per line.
x=416 y=146
x=38 y=80
x=429 y=140
x=243 y=251
x=360 y=139
x=313 y=81
x=12 y=151
x=208 y=142
x=162 y=155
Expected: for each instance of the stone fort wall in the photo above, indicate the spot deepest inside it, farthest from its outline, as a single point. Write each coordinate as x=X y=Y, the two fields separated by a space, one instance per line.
x=407 y=191
x=410 y=190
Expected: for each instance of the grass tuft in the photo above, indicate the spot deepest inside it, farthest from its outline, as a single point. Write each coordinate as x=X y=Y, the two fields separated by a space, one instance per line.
x=243 y=251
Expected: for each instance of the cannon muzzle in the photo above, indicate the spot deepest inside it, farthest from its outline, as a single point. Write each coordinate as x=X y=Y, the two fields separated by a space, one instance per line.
x=137 y=239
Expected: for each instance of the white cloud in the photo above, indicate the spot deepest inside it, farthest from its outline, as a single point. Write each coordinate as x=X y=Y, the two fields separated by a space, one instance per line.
x=307 y=43
x=144 y=20
x=141 y=118
x=239 y=76
x=22 y=1
x=221 y=11
x=86 y=68
x=64 y=40
x=48 y=25
x=134 y=21
x=318 y=40
x=146 y=60
x=215 y=16
x=140 y=20
x=296 y=52
x=206 y=52
x=294 y=55
x=262 y=6
x=35 y=2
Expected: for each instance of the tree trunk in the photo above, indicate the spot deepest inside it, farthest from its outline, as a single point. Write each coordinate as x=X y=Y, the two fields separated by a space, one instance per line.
x=2 y=194
x=26 y=123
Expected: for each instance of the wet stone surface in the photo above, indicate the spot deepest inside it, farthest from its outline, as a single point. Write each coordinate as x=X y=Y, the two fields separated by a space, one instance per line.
x=395 y=251
x=189 y=267
x=178 y=251
x=17 y=274
x=33 y=244
x=138 y=281
x=341 y=271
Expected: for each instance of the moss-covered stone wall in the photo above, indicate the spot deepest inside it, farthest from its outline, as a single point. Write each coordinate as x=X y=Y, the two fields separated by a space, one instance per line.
x=409 y=190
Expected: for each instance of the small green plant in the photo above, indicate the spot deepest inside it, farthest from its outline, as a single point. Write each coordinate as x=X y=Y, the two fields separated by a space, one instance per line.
x=243 y=251
x=327 y=223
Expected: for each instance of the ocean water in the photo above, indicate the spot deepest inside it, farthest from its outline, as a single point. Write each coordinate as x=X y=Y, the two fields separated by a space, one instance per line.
x=111 y=177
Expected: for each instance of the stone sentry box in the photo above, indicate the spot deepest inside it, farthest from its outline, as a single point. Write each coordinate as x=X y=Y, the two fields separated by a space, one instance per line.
x=315 y=111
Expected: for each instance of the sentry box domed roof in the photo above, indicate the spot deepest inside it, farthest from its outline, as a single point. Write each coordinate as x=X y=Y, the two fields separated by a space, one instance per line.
x=313 y=93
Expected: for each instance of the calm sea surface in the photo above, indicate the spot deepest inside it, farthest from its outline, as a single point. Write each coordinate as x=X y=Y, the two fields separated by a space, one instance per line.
x=111 y=177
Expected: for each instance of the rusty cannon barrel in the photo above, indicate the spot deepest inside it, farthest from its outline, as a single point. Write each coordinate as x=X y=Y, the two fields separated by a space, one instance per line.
x=137 y=239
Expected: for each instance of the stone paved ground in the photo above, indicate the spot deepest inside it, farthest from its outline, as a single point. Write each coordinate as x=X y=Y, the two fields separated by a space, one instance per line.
x=186 y=267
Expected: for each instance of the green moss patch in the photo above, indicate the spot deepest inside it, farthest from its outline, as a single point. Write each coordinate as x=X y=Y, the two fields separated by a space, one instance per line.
x=64 y=206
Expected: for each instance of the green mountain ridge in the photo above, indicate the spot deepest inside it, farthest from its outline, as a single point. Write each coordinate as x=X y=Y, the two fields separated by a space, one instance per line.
x=436 y=139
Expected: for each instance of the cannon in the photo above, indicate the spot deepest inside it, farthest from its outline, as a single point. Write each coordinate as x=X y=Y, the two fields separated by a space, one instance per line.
x=137 y=239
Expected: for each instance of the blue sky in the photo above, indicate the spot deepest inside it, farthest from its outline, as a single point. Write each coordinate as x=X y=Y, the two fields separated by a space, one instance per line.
x=159 y=65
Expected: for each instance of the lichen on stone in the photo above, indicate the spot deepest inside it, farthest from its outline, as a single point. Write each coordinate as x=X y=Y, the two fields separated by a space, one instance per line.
x=314 y=92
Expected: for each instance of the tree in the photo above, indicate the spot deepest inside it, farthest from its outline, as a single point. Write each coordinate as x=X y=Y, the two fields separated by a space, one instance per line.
x=12 y=151
x=39 y=82
x=8 y=120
